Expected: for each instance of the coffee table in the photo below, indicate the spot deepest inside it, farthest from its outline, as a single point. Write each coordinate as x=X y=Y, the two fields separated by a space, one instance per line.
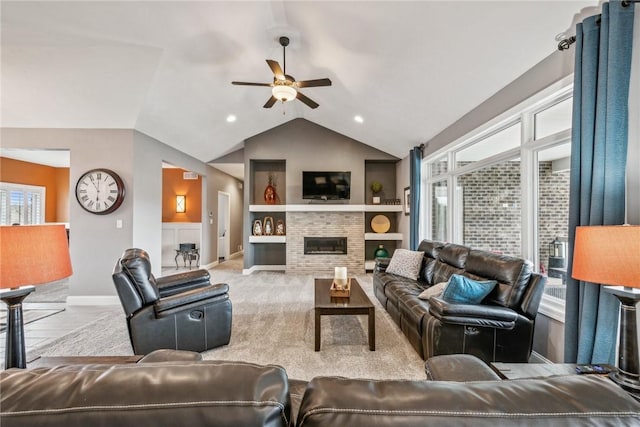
x=357 y=303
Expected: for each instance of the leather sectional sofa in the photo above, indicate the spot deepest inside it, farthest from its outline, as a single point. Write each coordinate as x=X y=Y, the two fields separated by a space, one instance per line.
x=499 y=329
x=183 y=391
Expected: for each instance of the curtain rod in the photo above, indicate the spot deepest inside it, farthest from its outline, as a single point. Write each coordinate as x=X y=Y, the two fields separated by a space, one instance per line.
x=564 y=44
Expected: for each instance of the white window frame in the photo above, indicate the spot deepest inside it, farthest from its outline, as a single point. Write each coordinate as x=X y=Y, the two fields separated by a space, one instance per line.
x=527 y=152
x=24 y=188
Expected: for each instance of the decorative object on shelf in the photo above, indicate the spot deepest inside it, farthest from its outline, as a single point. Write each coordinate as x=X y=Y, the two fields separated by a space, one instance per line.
x=381 y=252
x=29 y=255
x=270 y=194
x=407 y=201
x=280 y=230
x=376 y=187
x=341 y=285
x=392 y=201
x=100 y=191
x=257 y=227
x=181 y=204
x=267 y=226
x=608 y=255
x=380 y=224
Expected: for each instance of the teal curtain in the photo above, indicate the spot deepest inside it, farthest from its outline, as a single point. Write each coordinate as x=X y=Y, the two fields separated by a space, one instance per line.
x=598 y=162
x=415 y=168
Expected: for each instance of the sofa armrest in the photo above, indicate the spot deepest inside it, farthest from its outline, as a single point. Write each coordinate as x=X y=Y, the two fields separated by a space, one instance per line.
x=167 y=304
x=175 y=283
x=458 y=367
x=381 y=264
x=472 y=314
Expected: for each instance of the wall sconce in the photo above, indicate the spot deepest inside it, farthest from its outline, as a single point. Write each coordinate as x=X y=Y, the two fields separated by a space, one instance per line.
x=181 y=204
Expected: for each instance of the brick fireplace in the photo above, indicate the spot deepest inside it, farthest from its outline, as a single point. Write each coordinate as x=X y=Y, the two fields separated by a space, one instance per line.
x=327 y=227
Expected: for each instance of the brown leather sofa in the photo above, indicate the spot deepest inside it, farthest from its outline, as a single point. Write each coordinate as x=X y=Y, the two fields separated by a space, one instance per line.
x=498 y=329
x=165 y=390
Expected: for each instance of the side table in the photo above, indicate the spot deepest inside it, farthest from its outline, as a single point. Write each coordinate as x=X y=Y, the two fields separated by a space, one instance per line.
x=188 y=255
x=516 y=371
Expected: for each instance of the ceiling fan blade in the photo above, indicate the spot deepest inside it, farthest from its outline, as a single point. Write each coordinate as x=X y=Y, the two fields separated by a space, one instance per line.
x=270 y=102
x=307 y=101
x=314 y=83
x=275 y=67
x=251 y=84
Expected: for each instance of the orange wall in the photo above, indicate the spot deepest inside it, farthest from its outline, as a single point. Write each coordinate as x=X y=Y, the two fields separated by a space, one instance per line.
x=173 y=184
x=55 y=180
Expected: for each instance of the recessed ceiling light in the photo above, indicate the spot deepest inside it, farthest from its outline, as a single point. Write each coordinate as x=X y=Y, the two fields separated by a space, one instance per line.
x=231 y=118
x=358 y=119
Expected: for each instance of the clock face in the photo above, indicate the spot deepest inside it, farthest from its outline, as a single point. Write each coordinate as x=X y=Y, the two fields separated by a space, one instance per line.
x=100 y=191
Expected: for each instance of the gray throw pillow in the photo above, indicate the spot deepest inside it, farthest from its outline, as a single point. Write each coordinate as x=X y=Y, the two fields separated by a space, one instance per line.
x=406 y=263
x=433 y=291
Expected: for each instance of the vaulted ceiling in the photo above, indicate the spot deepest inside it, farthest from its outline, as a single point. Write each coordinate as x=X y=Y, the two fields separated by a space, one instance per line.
x=409 y=69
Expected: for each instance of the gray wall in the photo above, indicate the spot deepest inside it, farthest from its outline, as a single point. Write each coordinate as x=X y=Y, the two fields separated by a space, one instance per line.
x=95 y=243
x=220 y=181
x=402 y=181
x=304 y=145
x=548 y=71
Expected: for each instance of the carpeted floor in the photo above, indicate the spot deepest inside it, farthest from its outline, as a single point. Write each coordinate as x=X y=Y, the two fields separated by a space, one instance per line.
x=273 y=324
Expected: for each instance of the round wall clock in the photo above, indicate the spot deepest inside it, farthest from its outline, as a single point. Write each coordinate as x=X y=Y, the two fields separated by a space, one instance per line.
x=100 y=191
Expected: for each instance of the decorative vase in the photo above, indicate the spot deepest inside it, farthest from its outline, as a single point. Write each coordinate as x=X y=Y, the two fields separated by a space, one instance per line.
x=270 y=194
x=381 y=252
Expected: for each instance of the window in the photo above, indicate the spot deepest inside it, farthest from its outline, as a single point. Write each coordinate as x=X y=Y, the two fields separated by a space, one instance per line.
x=553 y=119
x=508 y=190
x=439 y=211
x=21 y=204
x=491 y=210
x=499 y=142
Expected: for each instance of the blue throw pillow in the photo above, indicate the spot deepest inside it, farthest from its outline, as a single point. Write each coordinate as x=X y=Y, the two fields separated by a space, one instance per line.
x=463 y=290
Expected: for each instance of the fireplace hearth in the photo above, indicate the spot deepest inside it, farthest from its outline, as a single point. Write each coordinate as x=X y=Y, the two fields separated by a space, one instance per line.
x=325 y=246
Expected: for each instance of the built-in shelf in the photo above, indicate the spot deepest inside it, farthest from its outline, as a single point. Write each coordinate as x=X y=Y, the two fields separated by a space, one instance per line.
x=311 y=207
x=383 y=236
x=267 y=208
x=383 y=208
x=267 y=239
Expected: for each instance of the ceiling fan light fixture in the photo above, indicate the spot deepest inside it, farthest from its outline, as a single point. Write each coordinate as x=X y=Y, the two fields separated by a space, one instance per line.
x=284 y=93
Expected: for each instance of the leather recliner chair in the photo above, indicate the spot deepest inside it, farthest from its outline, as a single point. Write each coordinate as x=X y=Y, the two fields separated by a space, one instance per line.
x=182 y=311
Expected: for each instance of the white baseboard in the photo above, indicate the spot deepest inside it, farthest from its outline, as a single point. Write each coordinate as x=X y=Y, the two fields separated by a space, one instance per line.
x=93 y=300
x=210 y=265
x=250 y=270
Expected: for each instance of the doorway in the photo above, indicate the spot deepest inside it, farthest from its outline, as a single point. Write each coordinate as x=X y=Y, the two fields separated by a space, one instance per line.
x=224 y=224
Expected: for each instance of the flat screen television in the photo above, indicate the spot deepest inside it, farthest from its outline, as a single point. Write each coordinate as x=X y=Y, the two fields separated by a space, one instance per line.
x=326 y=185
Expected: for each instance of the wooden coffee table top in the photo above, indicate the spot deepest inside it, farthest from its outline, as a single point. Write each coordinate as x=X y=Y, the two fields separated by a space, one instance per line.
x=324 y=300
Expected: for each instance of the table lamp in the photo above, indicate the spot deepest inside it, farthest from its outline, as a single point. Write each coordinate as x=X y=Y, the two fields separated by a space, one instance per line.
x=610 y=255
x=30 y=255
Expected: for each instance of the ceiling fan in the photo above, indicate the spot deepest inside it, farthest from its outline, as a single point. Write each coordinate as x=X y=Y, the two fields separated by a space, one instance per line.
x=285 y=87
